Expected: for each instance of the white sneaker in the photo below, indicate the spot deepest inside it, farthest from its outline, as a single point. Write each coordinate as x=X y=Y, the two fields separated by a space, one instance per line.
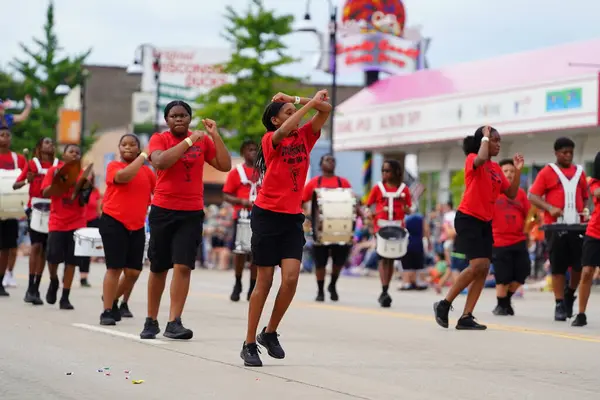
x=9 y=280
x=5 y=280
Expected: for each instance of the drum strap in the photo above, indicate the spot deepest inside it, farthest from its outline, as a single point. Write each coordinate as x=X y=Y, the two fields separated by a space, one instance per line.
x=38 y=165
x=391 y=196
x=570 y=214
x=15 y=159
x=245 y=181
x=320 y=180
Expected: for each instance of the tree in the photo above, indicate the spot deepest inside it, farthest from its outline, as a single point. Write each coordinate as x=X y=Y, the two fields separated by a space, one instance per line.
x=258 y=52
x=42 y=73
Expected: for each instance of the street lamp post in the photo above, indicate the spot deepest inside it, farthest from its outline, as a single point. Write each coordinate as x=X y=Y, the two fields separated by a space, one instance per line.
x=137 y=68
x=83 y=87
x=332 y=53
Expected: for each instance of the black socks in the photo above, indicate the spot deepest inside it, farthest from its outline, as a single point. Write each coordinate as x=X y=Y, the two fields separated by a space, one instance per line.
x=384 y=288
x=321 y=285
x=65 y=294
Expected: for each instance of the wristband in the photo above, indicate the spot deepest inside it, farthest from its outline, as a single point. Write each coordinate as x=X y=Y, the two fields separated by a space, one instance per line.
x=485 y=139
x=297 y=100
x=144 y=155
x=189 y=141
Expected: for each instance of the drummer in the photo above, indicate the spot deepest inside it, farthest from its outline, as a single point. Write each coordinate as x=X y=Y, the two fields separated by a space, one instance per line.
x=9 y=228
x=548 y=193
x=43 y=159
x=392 y=174
x=338 y=253
x=242 y=197
x=66 y=216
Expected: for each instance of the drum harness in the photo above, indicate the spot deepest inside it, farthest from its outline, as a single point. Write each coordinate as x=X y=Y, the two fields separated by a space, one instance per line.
x=253 y=188
x=570 y=214
x=391 y=196
x=38 y=165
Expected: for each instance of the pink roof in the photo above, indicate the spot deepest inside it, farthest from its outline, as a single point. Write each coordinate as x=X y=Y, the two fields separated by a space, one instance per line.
x=484 y=75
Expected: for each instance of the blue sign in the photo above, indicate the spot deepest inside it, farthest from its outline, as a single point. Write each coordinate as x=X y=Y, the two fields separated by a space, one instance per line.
x=562 y=100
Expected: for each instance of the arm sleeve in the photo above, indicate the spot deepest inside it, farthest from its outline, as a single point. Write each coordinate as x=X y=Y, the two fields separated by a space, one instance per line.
x=373 y=196
x=48 y=178
x=23 y=175
x=210 y=151
x=311 y=137
x=308 y=190
x=584 y=187
x=156 y=143
x=407 y=197
x=540 y=186
x=232 y=182
x=111 y=171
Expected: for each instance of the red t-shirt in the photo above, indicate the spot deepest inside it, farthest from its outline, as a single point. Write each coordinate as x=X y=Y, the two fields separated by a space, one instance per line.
x=91 y=210
x=234 y=187
x=509 y=219
x=547 y=184
x=593 y=228
x=35 y=187
x=65 y=215
x=381 y=204
x=7 y=162
x=181 y=187
x=483 y=185
x=128 y=202
x=327 y=182
x=287 y=167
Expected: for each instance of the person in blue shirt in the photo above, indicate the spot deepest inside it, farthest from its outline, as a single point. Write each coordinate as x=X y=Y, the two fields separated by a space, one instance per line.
x=8 y=120
x=413 y=261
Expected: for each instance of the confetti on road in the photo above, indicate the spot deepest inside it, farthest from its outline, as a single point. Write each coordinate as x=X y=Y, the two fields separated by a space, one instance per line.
x=137 y=382
x=68 y=373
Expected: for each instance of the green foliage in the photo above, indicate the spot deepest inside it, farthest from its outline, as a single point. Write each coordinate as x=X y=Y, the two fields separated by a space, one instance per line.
x=457 y=186
x=43 y=70
x=258 y=51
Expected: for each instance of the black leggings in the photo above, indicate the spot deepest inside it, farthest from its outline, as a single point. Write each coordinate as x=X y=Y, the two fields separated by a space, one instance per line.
x=84 y=265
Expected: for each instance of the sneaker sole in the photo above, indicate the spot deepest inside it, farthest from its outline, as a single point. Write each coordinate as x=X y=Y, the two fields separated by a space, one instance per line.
x=108 y=323
x=148 y=337
x=469 y=328
x=438 y=320
x=246 y=364
x=180 y=337
x=260 y=341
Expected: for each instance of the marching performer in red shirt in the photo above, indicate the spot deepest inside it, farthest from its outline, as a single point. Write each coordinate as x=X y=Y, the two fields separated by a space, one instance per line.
x=9 y=228
x=590 y=258
x=240 y=189
x=66 y=216
x=339 y=253
x=560 y=189
x=277 y=218
x=177 y=215
x=390 y=187
x=484 y=181
x=129 y=187
x=511 y=257
x=37 y=167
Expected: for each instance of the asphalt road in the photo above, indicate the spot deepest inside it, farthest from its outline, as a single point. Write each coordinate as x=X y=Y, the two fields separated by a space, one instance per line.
x=347 y=350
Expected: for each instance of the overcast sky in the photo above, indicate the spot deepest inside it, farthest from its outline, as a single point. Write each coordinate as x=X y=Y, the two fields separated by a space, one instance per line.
x=461 y=30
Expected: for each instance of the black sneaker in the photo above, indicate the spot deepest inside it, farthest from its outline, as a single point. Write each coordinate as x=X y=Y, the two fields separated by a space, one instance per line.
x=333 y=295
x=115 y=311
x=3 y=292
x=509 y=309
x=320 y=297
x=176 y=330
x=106 y=318
x=151 y=329
x=65 y=304
x=237 y=290
x=37 y=300
x=85 y=283
x=569 y=302
x=468 y=323
x=29 y=297
x=441 y=309
x=124 y=311
x=560 y=313
x=270 y=341
x=500 y=310
x=580 y=320
x=52 y=292
x=385 y=300
x=250 y=354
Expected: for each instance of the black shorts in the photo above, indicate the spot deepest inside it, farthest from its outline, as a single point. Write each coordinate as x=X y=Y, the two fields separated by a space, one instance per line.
x=61 y=248
x=590 y=256
x=413 y=260
x=35 y=236
x=174 y=238
x=474 y=237
x=276 y=236
x=9 y=234
x=565 y=251
x=339 y=255
x=511 y=263
x=122 y=248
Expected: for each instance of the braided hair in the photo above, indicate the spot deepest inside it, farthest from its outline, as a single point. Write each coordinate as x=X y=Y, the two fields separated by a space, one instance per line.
x=397 y=171
x=37 y=150
x=271 y=111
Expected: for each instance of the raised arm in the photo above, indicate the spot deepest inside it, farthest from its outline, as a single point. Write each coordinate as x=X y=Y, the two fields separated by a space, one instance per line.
x=320 y=104
x=484 y=150
x=292 y=122
x=25 y=113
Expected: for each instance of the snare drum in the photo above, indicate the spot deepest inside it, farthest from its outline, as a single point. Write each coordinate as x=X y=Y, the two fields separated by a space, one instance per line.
x=12 y=202
x=40 y=214
x=392 y=242
x=88 y=243
x=243 y=236
x=333 y=216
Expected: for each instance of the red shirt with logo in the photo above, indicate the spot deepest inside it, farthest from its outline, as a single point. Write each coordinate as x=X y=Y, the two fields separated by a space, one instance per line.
x=181 y=187
x=234 y=186
x=326 y=182
x=381 y=204
x=128 y=202
x=547 y=184
x=65 y=214
x=483 y=185
x=91 y=210
x=509 y=219
x=287 y=167
x=593 y=228
x=35 y=186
